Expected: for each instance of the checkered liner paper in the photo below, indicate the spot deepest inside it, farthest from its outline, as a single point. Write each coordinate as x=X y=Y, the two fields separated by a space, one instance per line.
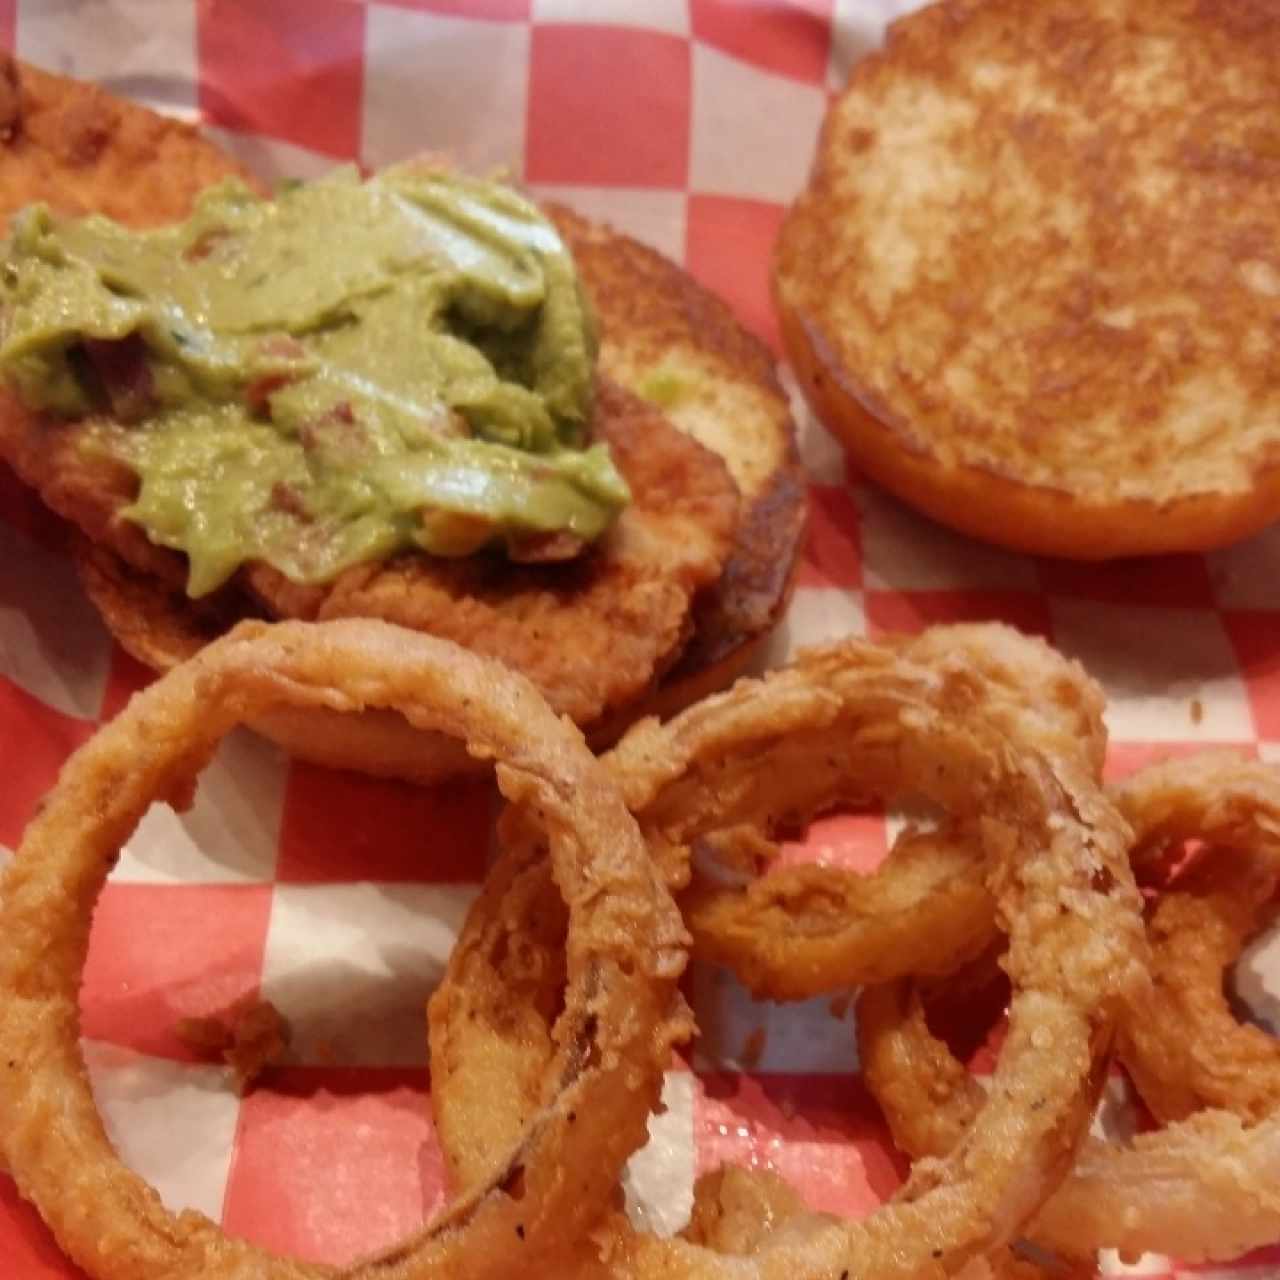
x=690 y=124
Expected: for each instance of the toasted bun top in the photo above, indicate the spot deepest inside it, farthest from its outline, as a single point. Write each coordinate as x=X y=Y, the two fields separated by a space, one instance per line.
x=1039 y=247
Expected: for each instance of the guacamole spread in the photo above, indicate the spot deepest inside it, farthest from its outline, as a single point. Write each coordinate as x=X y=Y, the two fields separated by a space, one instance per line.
x=347 y=371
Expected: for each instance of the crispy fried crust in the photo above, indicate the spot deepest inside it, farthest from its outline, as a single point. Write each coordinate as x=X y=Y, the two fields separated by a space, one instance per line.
x=1032 y=283
x=662 y=331
x=157 y=625
x=88 y=489
x=596 y=636
x=81 y=150
x=593 y=633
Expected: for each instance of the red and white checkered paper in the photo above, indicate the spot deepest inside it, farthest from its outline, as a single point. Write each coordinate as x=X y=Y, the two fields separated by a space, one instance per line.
x=690 y=124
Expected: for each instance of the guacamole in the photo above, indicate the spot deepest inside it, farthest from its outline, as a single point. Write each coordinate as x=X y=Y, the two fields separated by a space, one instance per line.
x=349 y=370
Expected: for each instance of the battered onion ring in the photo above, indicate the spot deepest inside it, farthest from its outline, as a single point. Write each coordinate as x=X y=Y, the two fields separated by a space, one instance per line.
x=1206 y=1188
x=1184 y=1048
x=736 y=1210
x=624 y=954
x=927 y=1095
x=1037 y=692
x=1057 y=872
x=810 y=929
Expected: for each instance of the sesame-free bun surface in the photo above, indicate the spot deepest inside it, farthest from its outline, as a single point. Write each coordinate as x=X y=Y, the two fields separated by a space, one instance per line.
x=1033 y=284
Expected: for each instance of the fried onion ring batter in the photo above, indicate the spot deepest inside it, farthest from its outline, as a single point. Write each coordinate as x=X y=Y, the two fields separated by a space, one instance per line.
x=1207 y=1186
x=807 y=930
x=610 y=1038
x=1056 y=870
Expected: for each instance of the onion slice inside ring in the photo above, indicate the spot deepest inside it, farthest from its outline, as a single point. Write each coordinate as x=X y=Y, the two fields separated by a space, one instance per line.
x=625 y=951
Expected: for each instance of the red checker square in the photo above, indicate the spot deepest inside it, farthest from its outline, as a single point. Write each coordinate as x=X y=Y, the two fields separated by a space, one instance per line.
x=608 y=106
x=21 y=507
x=1174 y=582
x=1124 y=758
x=823 y=1134
x=28 y=1250
x=341 y=827
x=728 y=245
x=8 y=23
x=982 y=1061
x=912 y=611
x=159 y=953
x=792 y=37
x=833 y=551
x=330 y=1163
x=292 y=69
x=35 y=742
x=1255 y=636
x=497 y=10
x=125 y=678
x=855 y=841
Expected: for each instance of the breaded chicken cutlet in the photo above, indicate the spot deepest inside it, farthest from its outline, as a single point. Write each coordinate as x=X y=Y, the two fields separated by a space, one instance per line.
x=691 y=578
x=81 y=150
x=1032 y=282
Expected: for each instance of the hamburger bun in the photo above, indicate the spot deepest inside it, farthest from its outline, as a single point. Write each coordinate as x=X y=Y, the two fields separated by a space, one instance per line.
x=1033 y=284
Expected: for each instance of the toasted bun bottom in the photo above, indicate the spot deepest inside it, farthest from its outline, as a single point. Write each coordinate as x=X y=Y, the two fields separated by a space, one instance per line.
x=986 y=505
x=160 y=630
x=386 y=745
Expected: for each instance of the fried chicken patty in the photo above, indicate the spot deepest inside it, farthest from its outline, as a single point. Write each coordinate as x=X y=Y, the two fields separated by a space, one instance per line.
x=694 y=575
x=592 y=633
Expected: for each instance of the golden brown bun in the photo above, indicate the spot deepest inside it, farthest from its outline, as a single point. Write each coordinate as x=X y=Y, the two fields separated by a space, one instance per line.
x=160 y=629
x=1032 y=285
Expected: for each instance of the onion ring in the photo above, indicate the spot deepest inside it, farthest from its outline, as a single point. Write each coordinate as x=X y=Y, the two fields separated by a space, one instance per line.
x=1204 y=1188
x=1183 y=1046
x=624 y=955
x=807 y=930
x=1039 y=692
x=1056 y=870
x=1184 y=1049
x=927 y=1095
x=736 y=1210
